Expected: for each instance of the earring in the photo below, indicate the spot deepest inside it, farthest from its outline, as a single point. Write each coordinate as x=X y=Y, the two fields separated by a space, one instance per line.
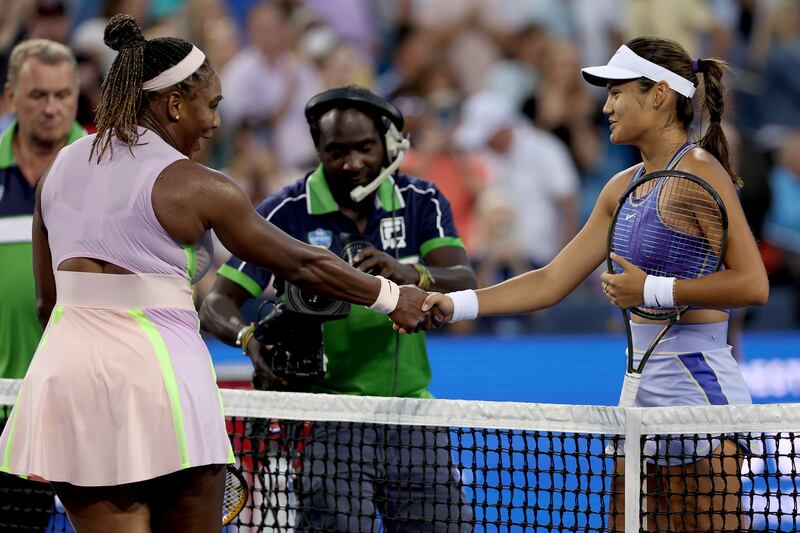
x=177 y=117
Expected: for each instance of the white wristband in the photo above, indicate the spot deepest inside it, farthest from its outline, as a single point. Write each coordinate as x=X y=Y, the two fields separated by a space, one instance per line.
x=387 y=299
x=465 y=305
x=658 y=291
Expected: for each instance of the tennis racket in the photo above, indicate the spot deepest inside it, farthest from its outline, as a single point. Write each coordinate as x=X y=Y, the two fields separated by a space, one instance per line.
x=236 y=494
x=668 y=223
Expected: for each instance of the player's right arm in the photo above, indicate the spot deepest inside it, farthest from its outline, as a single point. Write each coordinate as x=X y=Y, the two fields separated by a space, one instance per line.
x=545 y=287
x=189 y=199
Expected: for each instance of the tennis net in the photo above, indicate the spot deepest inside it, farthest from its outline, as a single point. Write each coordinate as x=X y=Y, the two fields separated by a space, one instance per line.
x=344 y=463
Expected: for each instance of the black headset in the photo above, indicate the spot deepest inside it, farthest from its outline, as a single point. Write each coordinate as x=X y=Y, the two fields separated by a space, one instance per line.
x=391 y=118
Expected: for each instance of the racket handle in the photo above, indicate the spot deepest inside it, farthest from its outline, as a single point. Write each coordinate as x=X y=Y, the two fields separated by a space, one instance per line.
x=630 y=386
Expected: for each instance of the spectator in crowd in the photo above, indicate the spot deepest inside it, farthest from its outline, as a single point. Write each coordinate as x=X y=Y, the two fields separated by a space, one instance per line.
x=685 y=21
x=411 y=240
x=532 y=167
x=433 y=156
x=50 y=20
x=266 y=86
x=562 y=105
x=42 y=88
x=780 y=97
x=782 y=224
x=517 y=76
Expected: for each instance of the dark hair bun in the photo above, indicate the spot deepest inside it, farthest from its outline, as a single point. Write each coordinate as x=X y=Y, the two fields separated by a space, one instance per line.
x=122 y=31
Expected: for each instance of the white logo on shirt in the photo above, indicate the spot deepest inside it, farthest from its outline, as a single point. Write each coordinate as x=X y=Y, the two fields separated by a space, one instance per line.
x=393 y=233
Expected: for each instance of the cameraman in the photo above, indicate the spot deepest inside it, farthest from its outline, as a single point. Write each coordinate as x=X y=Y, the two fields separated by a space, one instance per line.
x=414 y=241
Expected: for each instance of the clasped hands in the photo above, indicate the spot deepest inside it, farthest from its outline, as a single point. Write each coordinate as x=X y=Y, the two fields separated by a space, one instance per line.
x=419 y=310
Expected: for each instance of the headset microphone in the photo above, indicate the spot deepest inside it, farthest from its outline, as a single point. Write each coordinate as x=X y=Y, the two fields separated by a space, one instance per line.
x=362 y=191
x=396 y=146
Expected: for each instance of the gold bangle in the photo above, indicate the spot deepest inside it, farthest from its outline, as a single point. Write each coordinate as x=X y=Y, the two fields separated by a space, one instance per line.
x=244 y=336
x=425 y=277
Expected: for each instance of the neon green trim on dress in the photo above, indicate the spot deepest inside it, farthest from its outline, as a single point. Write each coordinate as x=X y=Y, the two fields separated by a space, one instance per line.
x=162 y=353
x=58 y=312
x=191 y=261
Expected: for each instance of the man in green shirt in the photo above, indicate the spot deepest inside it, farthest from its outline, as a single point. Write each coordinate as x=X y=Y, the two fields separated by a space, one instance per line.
x=412 y=240
x=42 y=87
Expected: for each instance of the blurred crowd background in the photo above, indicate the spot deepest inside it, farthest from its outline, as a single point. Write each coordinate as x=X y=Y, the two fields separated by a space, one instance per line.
x=497 y=112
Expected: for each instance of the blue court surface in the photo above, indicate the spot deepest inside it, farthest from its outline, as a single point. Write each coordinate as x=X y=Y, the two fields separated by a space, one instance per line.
x=575 y=369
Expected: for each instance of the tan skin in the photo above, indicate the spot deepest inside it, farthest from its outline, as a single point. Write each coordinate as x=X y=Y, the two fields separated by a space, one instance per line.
x=44 y=99
x=351 y=152
x=645 y=120
x=188 y=200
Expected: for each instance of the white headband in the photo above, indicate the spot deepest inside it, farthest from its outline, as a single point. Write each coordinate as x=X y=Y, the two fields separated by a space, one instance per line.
x=626 y=65
x=176 y=73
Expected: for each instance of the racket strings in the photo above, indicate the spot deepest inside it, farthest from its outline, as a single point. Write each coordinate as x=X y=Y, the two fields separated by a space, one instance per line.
x=235 y=497
x=670 y=226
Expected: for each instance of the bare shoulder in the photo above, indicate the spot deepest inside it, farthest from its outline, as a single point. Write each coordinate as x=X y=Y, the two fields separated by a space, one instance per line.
x=616 y=186
x=187 y=181
x=187 y=195
x=705 y=166
x=193 y=175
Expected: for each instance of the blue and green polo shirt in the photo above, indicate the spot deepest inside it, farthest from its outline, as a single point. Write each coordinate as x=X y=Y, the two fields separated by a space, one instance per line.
x=19 y=325
x=411 y=218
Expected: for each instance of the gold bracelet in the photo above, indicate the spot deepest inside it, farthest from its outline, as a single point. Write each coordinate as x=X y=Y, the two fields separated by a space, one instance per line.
x=425 y=277
x=244 y=336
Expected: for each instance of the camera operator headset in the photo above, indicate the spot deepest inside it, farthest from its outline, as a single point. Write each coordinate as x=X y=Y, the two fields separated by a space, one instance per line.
x=395 y=146
x=413 y=212
x=352 y=129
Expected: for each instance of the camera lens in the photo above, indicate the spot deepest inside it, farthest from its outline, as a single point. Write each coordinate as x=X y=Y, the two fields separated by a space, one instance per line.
x=315 y=302
x=352 y=245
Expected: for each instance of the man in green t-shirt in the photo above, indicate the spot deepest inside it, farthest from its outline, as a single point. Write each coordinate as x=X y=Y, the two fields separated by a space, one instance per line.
x=42 y=87
x=412 y=239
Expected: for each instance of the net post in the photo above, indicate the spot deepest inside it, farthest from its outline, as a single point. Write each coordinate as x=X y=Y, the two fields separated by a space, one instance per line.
x=633 y=468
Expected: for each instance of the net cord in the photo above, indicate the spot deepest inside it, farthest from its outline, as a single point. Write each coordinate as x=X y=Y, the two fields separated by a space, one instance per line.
x=607 y=420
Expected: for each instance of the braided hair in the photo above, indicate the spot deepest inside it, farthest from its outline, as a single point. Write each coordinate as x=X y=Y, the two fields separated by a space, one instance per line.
x=122 y=100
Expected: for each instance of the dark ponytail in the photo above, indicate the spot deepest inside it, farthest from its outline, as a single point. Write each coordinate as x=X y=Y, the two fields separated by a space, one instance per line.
x=714 y=140
x=121 y=98
x=673 y=57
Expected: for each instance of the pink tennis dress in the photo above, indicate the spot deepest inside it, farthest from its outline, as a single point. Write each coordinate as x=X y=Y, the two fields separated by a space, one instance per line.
x=122 y=388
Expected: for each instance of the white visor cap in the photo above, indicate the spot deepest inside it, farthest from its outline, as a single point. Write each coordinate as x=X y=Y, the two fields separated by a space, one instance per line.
x=626 y=65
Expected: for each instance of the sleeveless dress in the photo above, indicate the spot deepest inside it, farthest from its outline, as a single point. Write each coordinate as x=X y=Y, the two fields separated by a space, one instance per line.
x=121 y=388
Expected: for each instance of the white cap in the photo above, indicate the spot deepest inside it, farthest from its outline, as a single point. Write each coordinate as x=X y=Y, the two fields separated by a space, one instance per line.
x=626 y=65
x=483 y=114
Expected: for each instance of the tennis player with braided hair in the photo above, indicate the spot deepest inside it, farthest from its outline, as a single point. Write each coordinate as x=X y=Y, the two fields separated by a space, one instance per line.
x=119 y=409
x=651 y=83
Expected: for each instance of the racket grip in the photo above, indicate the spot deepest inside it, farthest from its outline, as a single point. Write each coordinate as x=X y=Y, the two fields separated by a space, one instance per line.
x=630 y=387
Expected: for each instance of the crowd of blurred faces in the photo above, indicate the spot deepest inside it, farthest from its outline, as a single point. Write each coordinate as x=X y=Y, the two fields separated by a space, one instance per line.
x=499 y=117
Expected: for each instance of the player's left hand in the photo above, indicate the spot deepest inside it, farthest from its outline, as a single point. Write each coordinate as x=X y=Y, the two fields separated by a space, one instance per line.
x=625 y=289
x=378 y=263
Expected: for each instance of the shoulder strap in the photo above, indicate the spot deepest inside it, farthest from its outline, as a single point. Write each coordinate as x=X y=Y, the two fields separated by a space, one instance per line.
x=679 y=155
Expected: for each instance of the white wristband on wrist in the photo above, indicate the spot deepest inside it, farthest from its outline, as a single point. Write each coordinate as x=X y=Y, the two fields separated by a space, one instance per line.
x=387 y=299
x=658 y=292
x=465 y=305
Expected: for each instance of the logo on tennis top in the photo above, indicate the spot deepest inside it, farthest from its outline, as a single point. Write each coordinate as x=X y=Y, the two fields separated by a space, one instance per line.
x=393 y=233
x=630 y=215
